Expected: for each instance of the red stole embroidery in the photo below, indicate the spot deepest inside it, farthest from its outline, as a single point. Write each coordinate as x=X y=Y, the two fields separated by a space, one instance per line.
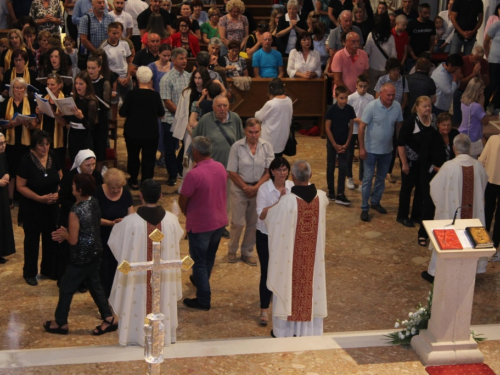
x=304 y=254
x=467 y=192
x=149 y=289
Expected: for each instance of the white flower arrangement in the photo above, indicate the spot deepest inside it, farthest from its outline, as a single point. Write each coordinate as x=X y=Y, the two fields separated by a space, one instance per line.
x=417 y=320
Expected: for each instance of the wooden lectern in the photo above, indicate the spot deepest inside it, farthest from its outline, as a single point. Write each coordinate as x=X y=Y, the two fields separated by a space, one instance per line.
x=447 y=340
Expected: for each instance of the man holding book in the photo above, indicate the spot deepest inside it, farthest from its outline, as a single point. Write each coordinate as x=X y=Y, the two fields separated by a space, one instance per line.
x=459 y=185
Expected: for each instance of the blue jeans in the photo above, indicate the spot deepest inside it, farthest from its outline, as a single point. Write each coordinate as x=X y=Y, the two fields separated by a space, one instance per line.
x=456 y=45
x=372 y=161
x=202 y=249
x=170 y=145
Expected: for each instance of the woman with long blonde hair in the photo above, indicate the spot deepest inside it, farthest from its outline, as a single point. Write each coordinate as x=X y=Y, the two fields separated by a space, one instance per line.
x=273 y=21
x=473 y=115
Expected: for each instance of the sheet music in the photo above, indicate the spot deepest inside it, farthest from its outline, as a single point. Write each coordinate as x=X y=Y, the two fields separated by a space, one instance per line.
x=23 y=118
x=102 y=101
x=44 y=106
x=66 y=105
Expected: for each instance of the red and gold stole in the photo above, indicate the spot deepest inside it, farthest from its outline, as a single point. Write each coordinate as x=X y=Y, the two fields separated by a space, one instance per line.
x=304 y=255
x=58 y=128
x=467 y=192
x=26 y=75
x=11 y=133
x=149 y=288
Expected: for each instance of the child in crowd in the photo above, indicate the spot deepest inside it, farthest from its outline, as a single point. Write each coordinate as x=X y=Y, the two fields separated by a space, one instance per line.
x=338 y=126
x=69 y=48
x=401 y=38
x=205 y=104
x=358 y=100
x=29 y=36
x=119 y=60
x=440 y=33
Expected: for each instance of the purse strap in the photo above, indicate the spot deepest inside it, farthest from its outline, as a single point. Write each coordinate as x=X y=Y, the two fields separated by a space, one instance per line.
x=381 y=50
x=226 y=136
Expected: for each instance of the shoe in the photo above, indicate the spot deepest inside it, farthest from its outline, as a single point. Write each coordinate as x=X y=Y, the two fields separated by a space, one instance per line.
x=58 y=330
x=495 y=257
x=171 y=181
x=226 y=234
x=263 y=320
x=83 y=289
x=250 y=260
x=110 y=328
x=341 y=199
x=405 y=221
x=331 y=197
x=422 y=241
x=133 y=186
x=193 y=303
x=379 y=208
x=425 y=275
x=390 y=178
x=231 y=258
x=350 y=184
x=272 y=334
x=191 y=278
x=160 y=162
x=3 y=260
x=31 y=281
x=364 y=216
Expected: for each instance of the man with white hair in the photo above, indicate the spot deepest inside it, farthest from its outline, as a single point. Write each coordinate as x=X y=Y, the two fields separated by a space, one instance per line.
x=458 y=186
x=345 y=26
x=296 y=273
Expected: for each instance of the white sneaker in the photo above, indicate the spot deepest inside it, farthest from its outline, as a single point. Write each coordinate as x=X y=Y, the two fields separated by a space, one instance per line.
x=350 y=184
x=360 y=188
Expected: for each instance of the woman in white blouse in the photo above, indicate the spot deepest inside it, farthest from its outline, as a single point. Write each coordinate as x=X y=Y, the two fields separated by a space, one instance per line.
x=304 y=61
x=380 y=46
x=268 y=195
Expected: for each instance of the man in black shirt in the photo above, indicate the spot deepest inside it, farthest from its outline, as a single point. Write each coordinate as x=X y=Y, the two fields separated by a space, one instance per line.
x=421 y=32
x=467 y=17
x=407 y=10
x=420 y=84
x=154 y=7
x=147 y=55
x=335 y=7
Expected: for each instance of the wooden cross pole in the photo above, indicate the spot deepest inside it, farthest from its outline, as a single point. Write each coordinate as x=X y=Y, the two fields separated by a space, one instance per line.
x=153 y=327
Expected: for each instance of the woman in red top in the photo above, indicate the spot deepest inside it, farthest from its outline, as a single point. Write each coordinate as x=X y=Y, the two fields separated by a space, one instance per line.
x=184 y=39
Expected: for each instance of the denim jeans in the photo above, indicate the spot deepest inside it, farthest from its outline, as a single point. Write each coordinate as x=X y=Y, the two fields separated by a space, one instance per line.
x=170 y=145
x=456 y=45
x=381 y=162
x=331 y=153
x=202 y=249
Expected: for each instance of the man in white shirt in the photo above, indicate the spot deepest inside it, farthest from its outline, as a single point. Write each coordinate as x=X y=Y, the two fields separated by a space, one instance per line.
x=134 y=8
x=123 y=17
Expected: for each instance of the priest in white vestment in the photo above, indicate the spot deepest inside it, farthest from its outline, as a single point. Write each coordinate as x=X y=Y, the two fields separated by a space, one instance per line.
x=460 y=182
x=131 y=294
x=296 y=273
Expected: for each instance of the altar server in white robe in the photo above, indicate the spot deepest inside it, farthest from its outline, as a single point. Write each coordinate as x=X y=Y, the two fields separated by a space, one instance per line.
x=296 y=273
x=131 y=294
x=460 y=182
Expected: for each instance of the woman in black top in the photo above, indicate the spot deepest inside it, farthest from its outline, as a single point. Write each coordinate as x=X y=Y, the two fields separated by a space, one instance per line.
x=289 y=25
x=84 y=163
x=142 y=108
x=17 y=131
x=15 y=38
x=436 y=149
x=38 y=178
x=20 y=69
x=7 y=244
x=57 y=62
x=102 y=90
x=84 y=116
x=414 y=130
x=361 y=20
x=85 y=257
x=55 y=126
x=115 y=203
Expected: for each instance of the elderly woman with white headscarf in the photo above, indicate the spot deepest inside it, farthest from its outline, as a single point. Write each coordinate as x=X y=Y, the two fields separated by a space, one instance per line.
x=85 y=162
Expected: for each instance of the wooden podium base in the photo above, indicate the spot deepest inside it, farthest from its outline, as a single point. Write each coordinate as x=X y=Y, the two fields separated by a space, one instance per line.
x=434 y=353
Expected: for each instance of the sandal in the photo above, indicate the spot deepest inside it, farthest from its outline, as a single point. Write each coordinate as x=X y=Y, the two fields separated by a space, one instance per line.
x=422 y=241
x=263 y=319
x=111 y=328
x=58 y=330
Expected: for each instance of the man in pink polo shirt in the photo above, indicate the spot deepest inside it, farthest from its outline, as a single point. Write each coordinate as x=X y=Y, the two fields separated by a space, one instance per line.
x=203 y=201
x=349 y=63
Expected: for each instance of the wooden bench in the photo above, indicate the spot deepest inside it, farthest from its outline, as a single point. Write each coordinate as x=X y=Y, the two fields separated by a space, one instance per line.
x=308 y=97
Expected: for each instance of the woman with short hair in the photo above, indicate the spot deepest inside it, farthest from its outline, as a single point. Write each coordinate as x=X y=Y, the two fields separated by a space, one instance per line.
x=234 y=25
x=19 y=70
x=289 y=27
x=210 y=29
x=115 y=203
x=235 y=65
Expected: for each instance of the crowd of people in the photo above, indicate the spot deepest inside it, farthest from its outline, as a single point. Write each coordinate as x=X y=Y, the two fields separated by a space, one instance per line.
x=389 y=101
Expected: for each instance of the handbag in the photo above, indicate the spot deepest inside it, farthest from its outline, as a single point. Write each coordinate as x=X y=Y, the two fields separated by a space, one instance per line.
x=83 y=57
x=291 y=144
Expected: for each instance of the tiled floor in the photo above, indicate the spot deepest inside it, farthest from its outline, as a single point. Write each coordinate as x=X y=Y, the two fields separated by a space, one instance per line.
x=373 y=272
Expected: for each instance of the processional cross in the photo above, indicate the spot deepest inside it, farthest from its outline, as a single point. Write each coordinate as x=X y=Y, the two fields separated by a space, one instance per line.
x=154 y=329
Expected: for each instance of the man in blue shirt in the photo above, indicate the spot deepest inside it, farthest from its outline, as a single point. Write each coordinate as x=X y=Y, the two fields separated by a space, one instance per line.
x=376 y=130
x=92 y=35
x=267 y=62
x=82 y=7
x=447 y=77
